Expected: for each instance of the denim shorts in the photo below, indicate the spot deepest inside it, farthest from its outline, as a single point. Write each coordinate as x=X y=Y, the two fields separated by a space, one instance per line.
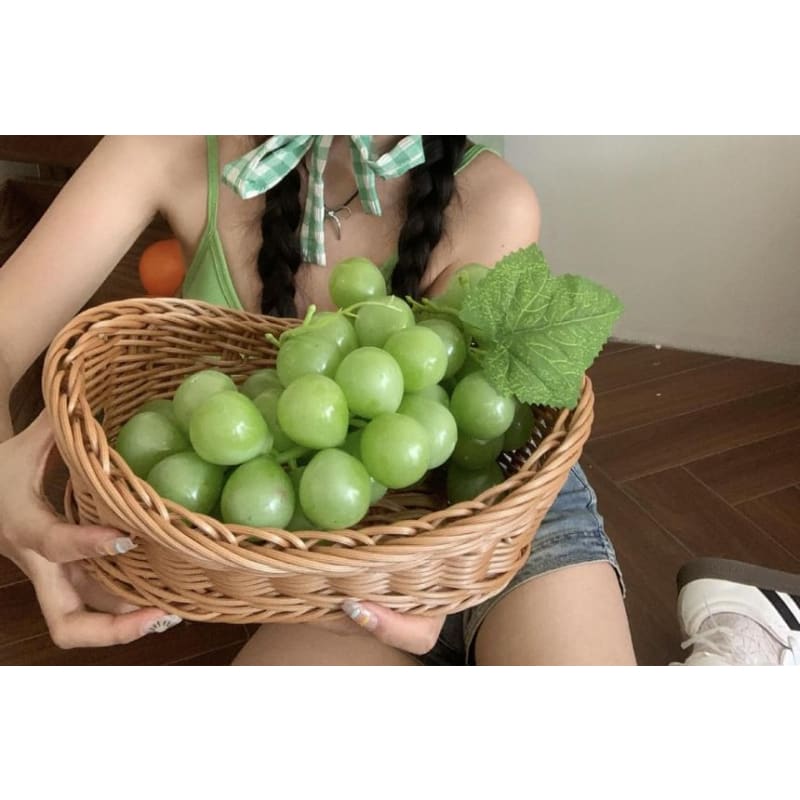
x=571 y=533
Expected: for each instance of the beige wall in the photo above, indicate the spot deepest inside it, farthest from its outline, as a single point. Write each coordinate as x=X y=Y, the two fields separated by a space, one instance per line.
x=699 y=236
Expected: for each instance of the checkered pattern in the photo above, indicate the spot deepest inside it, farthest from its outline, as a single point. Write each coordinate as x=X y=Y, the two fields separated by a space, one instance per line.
x=265 y=166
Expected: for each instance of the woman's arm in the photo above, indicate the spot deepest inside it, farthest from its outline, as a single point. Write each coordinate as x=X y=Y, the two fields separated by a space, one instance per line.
x=89 y=227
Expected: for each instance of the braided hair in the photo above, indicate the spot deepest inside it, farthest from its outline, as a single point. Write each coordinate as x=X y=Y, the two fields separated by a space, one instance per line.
x=432 y=185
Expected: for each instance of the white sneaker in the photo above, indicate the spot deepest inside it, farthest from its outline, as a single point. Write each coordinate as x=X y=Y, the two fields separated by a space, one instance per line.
x=736 y=614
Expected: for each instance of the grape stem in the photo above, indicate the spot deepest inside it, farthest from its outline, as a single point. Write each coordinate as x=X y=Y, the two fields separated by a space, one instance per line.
x=291 y=455
x=288 y=334
x=312 y=309
x=348 y=312
x=432 y=305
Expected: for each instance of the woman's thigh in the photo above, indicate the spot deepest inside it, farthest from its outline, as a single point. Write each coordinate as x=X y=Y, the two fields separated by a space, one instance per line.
x=570 y=581
x=311 y=645
x=572 y=616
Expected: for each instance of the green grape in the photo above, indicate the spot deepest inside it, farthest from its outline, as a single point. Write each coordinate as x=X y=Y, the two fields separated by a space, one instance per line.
x=421 y=355
x=259 y=382
x=355 y=280
x=228 y=429
x=267 y=404
x=352 y=445
x=462 y=281
x=188 y=480
x=312 y=411
x=436 y=393
x=146 y=438
x=259 y=494
x=480 y=411
x=334 y=490
x=467 y=484
x=380 y=318
x=162 y=406
x=476 y=453
x=299 y=521
x=521 y=428
x=395 y=450
x=197 y=388
x=371 y=381
x=453 y=340
x=336 y=327
x=305 y=355
x=437 y=421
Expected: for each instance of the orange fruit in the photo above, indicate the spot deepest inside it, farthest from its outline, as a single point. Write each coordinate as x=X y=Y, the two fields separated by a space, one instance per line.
x=162 y=268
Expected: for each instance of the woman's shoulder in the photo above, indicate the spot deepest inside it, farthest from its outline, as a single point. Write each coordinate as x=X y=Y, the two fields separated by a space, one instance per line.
x=499 y=210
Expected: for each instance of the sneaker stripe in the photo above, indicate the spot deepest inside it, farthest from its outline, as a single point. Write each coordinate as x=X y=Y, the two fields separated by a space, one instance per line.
x=792 y=603
x=782 y=609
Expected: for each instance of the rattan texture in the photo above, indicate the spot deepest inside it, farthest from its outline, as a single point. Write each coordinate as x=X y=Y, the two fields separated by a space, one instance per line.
x=412 y=553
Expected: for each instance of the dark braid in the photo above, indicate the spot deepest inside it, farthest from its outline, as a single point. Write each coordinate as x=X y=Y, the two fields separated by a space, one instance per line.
x=430 y=192
x=280 y=256
x=432 y=186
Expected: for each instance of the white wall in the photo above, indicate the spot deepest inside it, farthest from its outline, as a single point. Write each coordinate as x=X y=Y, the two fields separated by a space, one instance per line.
x=699 y=236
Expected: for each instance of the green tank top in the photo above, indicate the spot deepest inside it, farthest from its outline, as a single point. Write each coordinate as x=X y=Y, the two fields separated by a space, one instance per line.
x=208 y=277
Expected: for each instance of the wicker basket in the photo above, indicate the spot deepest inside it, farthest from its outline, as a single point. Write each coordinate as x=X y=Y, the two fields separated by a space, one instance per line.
x=412 y=553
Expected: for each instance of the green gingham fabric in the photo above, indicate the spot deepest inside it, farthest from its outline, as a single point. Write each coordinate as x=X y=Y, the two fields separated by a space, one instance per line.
x=265 y=166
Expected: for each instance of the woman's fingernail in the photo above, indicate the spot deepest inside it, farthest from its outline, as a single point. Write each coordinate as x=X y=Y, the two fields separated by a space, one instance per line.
x=116 y=547
x=162 y=624
x=360 y=615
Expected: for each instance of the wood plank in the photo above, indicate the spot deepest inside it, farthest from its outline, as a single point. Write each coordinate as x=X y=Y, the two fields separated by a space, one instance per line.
x=640 y=364
x=64 y=151
x=705 y=523
x=19 y=211
x=650 y=558
x=216 y=658
x=182 y=642
x=20 y=617
x=669 y=443
x=24 y=638
x=615 y=346
x=779 y=515
x=747 y=472
x=10 y=572
x=674 y=395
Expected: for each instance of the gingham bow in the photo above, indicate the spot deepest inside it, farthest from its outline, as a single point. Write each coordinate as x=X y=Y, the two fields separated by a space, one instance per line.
x=266 y=165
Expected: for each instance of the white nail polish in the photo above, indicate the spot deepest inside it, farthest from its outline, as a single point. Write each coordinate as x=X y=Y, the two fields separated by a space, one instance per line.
x=123 y=545
x=163 y=624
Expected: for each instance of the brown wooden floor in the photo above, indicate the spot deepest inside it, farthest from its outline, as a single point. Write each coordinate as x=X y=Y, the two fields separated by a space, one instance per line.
x=691 y=454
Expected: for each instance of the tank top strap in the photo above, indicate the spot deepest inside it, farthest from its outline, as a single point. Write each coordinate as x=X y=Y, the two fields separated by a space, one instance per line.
x=470 y=154
x=212 y=147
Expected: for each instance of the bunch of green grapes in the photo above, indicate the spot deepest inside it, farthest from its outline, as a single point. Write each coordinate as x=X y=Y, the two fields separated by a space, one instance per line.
x=362 y=400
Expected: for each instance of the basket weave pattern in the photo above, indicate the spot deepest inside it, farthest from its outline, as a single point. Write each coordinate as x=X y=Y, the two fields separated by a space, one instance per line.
x=412 y=552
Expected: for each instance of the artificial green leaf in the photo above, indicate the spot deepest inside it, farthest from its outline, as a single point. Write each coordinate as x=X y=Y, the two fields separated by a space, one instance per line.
x=538 y=334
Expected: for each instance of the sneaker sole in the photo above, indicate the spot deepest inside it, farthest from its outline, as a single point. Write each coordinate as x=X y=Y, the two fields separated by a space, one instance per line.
x=738 y=572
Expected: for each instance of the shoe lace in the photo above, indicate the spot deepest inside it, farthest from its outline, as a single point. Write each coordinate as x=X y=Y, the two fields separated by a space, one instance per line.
x=714 y=646
x=715 y=642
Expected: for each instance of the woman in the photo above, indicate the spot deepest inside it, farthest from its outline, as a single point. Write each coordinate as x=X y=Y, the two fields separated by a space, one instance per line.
x=445 y=205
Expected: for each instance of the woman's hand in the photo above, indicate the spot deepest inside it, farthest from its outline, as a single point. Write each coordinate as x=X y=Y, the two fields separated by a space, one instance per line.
x=412 y=633
x=45 y=547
